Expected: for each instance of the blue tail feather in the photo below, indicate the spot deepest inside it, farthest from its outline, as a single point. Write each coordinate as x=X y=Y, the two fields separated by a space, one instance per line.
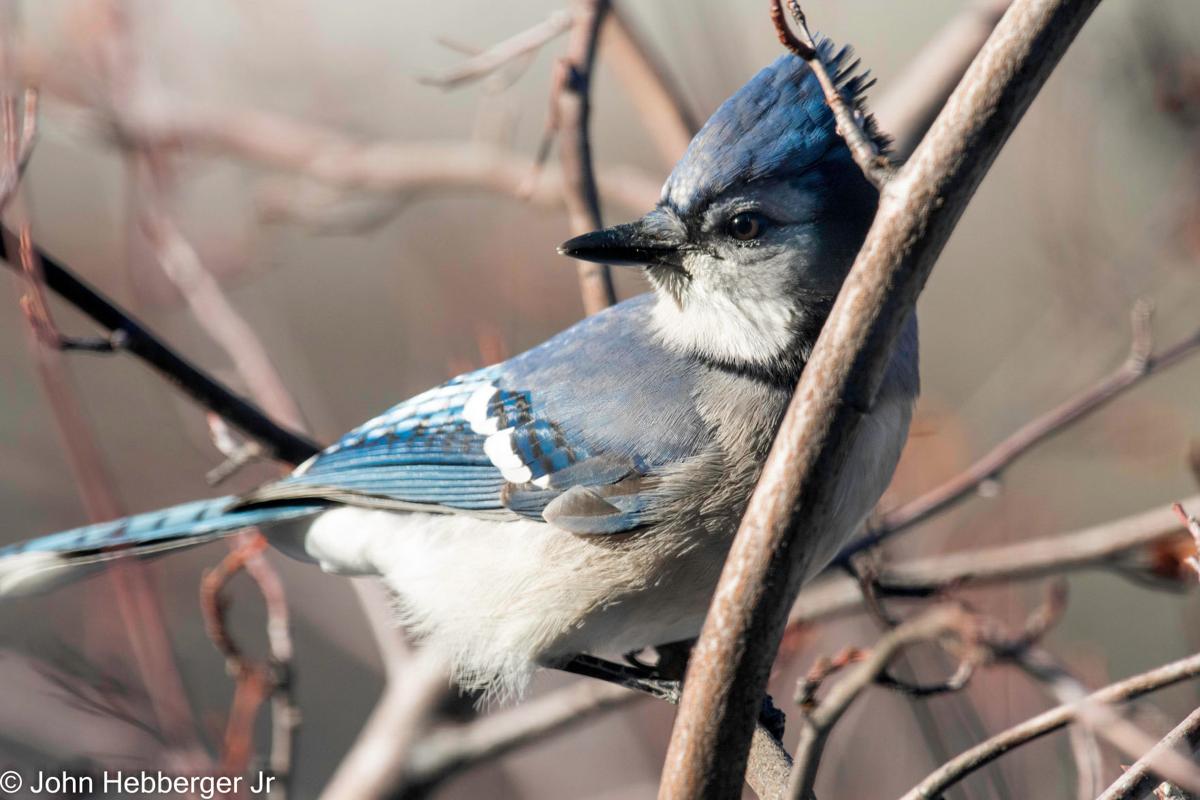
x=38 y=564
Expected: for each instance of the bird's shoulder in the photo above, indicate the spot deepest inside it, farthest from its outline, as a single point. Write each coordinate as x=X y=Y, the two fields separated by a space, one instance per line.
x=570 y=431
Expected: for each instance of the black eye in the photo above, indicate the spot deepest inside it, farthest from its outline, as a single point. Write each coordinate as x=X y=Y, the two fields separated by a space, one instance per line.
x=746 y=226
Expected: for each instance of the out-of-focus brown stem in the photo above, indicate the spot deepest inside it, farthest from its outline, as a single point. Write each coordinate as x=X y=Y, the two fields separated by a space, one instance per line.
x=908 y=107
x=135 y=598
x=648 y=83
x=819 y=723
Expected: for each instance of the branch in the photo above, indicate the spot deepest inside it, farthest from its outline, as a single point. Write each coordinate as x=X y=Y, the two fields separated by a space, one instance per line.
x=1144 y=775
x=454 y=749
x=375 y=765
x=136 y=604
x=875 y=166
x=918 y=209
x=499 y=55
x=131 y=336
x=1139 y=366
x=1096 y=546
x=909 y=106
x=573 y=112
x=254 y=682
x=819 y=723
x=658 y=99
x=982 y=754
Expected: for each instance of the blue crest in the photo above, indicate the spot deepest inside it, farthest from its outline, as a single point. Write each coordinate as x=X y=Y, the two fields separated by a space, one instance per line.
x=777 y=125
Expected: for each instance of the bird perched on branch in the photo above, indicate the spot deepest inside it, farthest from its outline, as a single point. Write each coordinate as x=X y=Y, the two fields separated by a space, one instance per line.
x=581 y=497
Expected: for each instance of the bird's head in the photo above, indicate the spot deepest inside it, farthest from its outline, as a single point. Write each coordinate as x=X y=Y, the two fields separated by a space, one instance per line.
x=757 y=224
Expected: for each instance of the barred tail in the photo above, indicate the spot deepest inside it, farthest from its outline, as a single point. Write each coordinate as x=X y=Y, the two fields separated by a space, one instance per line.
x=40 y=564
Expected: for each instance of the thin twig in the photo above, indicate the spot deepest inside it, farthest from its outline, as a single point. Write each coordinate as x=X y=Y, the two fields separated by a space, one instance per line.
x=454 y=749
x=876 y=166
x=1093 y=547
x=1140 y=365
x=918 y=209
x=136 y=603
x=984 y=753
x=1146 y=773
x=254 y=682
x=817 y=724
x=503 y=53
x=139 y=341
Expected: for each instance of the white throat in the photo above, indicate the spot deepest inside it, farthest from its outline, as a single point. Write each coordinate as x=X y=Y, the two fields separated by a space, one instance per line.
x=749 y=330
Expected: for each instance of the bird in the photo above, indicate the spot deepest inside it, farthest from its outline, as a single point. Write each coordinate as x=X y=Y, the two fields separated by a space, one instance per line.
x=581 y=497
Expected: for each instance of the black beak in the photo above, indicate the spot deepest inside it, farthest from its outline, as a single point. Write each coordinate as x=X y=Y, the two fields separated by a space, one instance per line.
x=650 y=241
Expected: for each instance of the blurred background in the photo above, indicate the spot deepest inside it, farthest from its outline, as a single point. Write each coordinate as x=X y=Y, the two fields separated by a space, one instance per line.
x=362 y=298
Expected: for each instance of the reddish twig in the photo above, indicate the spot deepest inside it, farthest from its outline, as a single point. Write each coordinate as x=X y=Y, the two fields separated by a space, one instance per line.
x=851 y=124
x=254 y=682
x=136 y=603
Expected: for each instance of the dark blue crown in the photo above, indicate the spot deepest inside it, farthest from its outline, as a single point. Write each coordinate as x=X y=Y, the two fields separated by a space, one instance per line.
x=777 y=125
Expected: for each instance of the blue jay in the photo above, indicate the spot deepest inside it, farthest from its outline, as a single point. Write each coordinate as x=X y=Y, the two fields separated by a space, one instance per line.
x=581 y=497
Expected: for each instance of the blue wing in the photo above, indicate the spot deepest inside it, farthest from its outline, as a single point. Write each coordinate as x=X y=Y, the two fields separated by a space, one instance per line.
x=546 y=435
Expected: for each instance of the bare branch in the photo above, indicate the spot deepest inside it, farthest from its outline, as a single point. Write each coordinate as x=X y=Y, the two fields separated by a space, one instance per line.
x=503 y=53
x=1092 y=547
x=453 y=749
x=646 y=80
x=874 y=165
x=1139 y=366
x=375 y=765
x=139 y=341
x=984 y=753
x=914 y=98
x=918 y=209
x=575 y=149
x=819 y=723
x=1142 y=777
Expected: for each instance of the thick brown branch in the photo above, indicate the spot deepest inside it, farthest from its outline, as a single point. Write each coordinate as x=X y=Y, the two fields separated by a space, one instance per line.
x=918 y=209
